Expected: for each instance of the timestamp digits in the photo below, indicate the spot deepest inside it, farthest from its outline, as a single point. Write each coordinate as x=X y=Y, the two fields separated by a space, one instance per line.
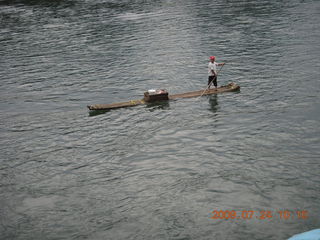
x=261 y=215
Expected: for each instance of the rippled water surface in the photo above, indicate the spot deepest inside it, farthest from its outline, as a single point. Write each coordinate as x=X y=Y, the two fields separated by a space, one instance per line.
x=158 y=171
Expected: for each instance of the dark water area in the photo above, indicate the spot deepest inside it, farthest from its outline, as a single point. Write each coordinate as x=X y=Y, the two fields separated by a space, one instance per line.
x=158 y=171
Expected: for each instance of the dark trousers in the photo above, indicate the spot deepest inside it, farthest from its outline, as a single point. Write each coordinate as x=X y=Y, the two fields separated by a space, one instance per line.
x=212 y=79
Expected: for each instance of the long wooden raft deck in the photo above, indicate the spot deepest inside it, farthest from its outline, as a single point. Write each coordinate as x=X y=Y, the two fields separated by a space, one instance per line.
x=231 y=87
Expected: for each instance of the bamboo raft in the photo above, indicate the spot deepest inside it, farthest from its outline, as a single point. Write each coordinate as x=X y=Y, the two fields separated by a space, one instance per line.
x=231 y=87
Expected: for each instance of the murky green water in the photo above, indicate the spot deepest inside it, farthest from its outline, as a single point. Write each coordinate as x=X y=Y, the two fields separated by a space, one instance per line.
x=157 y=172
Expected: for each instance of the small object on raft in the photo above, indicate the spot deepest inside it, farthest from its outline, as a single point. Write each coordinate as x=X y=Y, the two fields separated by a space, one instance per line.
x=156 y=95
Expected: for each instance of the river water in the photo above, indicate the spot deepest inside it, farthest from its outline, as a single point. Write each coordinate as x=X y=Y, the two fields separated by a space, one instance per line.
x=159 y=171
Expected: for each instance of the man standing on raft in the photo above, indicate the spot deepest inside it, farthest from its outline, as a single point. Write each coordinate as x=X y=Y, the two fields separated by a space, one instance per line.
x=212 y=71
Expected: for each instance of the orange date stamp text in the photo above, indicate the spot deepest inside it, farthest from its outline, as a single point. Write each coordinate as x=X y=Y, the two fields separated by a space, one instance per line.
x=261 y=215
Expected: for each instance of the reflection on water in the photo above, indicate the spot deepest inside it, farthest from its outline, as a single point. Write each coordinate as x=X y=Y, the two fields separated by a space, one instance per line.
x=213 y=101
x=93 y=113
x=158 y=105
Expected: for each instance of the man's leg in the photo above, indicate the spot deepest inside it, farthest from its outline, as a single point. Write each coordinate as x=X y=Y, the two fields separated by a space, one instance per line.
x=215 y=81
x=210 y=78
